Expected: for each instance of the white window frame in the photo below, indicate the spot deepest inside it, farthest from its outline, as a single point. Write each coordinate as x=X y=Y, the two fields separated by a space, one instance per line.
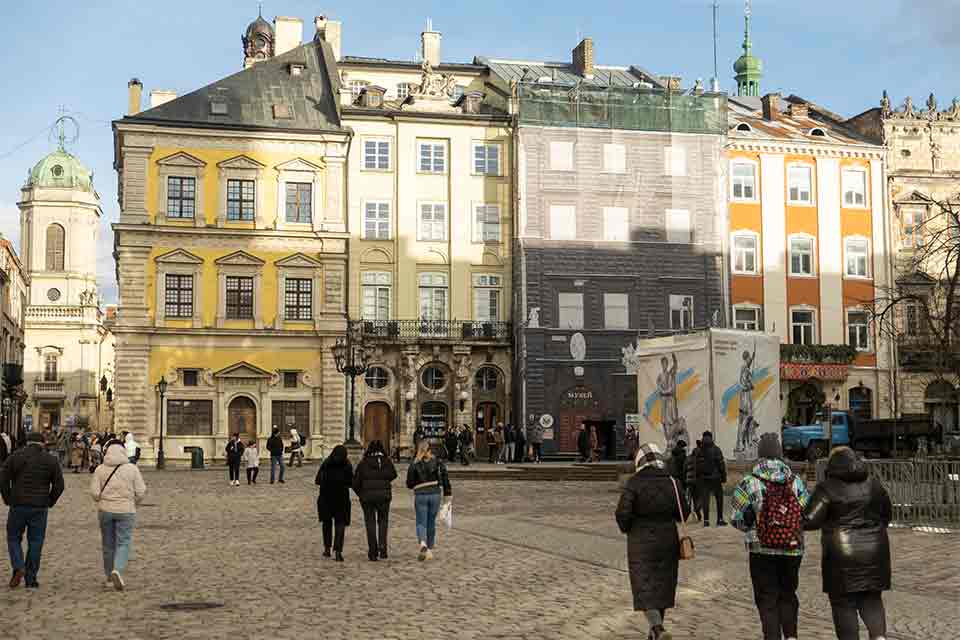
x=755 y=237
x=484 y=284
x=301 y=171
x=613 y=318
x=813 y=255
x=675 y=161
x=404 y=89
x=614 y=158
x=863 y=182
x=753 y=308
x=567 y=149
x=563 y=212
x=485 y=216
x=377 y=154
x=687 y=313
x=569 y=310
x=380 y=205
x=357 y=87
x=671 y=217
x=847 y=242
x=433 y=280
x=910 y=241
x=616 y=224
x=422 y=227
x=498 y=170
x=754 y=184
x=813 y=323
x=866 y=348
x=800 y=201
x=377 y=282
x=442 y=156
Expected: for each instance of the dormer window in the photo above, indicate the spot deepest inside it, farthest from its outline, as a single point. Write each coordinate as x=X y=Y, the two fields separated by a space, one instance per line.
x=817 y=132
x=297 y=68
x=743 y=127
x=372 y=96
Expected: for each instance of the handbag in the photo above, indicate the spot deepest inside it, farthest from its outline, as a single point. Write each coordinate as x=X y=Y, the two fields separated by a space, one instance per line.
x=688 y=550
x=109 y=478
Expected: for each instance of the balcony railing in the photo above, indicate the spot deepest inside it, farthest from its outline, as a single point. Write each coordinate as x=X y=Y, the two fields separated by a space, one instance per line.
x=817 y=353
x=432 y=331
x=48 y=388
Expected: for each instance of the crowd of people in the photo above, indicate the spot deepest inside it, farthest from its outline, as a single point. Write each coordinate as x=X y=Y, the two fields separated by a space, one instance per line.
x=505 y=443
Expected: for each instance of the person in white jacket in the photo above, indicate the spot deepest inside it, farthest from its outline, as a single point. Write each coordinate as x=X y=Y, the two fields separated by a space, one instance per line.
x=251 y=459
x=131 y=446
x=116 y=487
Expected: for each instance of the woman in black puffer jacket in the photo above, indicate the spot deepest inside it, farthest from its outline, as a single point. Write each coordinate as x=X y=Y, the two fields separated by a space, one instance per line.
x=333 y=502
x=372 y=483
x=853 y=510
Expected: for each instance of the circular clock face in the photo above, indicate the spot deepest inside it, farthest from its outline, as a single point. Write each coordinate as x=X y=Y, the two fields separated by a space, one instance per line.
x=53 y=294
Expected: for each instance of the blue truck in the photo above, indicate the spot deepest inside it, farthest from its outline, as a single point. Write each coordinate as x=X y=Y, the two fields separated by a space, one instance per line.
x=880 y=437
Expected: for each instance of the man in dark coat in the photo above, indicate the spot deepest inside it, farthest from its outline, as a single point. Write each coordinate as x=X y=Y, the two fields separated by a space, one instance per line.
x=690 y=476
x=711 y=473
x=465 y=445
x=649 y=508
x=275 y=447
x=520 y=449
x=334 y=477
x=372 y=483
x=31 y=482
x=678 y=465
x=583 y=443
x=234 y=453
x=853 y=510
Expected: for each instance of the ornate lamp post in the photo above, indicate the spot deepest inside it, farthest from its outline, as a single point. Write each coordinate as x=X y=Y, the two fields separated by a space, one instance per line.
x=103 y=389
x=352 y=360
x=162 y=390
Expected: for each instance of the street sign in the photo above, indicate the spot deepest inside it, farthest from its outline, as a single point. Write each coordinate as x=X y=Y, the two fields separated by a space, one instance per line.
x=546 y=421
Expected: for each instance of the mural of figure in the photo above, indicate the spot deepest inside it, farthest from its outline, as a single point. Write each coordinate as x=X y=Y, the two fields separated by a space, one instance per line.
x=667 y=389
x=745 y=421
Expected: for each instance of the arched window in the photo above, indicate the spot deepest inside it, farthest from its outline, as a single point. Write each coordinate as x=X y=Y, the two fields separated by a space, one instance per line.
x=487 y=378
x=861 y=402
x=56 y=237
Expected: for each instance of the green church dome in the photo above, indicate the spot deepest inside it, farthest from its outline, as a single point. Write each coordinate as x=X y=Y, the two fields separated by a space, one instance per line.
x=748 y=63
x=60 y=170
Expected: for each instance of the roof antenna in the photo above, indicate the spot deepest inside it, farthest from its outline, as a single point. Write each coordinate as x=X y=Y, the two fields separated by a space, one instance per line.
x=715 y=84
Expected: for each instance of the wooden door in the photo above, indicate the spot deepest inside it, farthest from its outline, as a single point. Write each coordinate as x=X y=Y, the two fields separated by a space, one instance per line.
x=488 y=414
x=242 y=418
x=577 y=406
x=377 y=424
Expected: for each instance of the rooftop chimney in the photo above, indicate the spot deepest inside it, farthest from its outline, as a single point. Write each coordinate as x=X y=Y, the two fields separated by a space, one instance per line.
x=771 y=106
x=583 y=58
x=134 y=95
x=799 y=109
x=430 y=45
x=161 y=96
x=331 y=32
x=288 y=33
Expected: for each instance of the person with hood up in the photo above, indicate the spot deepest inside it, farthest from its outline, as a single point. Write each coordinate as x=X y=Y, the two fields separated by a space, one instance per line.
x=117 y=487
x=853 y=510
x=334 y=478
x=711 y=475
x=133 y=449
x=650 y=506
x=427 y=477
x=767 y=507
x=234 y=458
x=296 y=448
x=372 y=483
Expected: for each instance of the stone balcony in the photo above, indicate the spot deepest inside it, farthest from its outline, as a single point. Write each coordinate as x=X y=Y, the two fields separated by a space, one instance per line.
x=48 y=390
x=432 y=331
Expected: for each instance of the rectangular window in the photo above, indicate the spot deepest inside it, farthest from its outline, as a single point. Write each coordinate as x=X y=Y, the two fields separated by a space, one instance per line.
x=239 y=296
x=486 y=298
x=854 y=188
x=486 y=223
x=190 y=417
x=376 y=220
x=376 y=155
x=299 y=202
x=570 y=310
x=681 y=312
x=614 y=158
x=675 y=161
x=801 y=327
x=357 y=87
x=801 y=256
x=178 y=296
x=858 y=334
x=290 y=414
x=561 y=156
x=616 y=224
x=745 y=253
x=50 y=373
x=403 y=90
x=857 y=258
x=912 y=228
x=678 y=226
x=298 y=299
x=181 y=197
x=375 y=295
x=433 y=157
x=433 y=222
x=190 y=377
x=913 y=318
x=433 y=296
x=563 y=222
x=486 y=159
x=616 y=311
x=746 y=318
x=289 y=379
x=799 y=185
x=240 y=199
x=743 y=180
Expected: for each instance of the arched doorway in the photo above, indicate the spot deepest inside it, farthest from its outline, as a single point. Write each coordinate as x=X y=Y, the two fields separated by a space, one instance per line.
x=804 y=402
x=488 y=414
x=377 y=423
x=861 y=402
x=940 y=401
x=242 y=417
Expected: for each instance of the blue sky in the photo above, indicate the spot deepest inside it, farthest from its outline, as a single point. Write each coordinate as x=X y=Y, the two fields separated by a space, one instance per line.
x=81 y=53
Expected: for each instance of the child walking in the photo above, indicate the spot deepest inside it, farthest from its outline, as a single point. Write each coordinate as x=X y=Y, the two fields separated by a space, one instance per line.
x=251 y=459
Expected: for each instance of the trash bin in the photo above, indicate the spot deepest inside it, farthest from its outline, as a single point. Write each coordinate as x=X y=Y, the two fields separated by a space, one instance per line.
x=196 y=457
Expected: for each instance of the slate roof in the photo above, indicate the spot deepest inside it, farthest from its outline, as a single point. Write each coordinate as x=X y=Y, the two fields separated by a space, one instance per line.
x=564 y=73
x=250 y=96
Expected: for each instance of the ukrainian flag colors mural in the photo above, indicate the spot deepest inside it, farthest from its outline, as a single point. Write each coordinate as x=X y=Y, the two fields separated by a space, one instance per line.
x=763 y=380
x=688 y=381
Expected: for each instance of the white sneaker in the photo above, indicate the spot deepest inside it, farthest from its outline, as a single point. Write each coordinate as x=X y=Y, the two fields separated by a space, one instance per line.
x=117 y=580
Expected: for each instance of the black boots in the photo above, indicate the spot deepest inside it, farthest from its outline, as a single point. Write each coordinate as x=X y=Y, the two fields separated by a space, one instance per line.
x=338 y=556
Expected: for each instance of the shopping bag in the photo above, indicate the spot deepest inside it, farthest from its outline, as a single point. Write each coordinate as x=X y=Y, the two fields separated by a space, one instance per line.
x=446 y=514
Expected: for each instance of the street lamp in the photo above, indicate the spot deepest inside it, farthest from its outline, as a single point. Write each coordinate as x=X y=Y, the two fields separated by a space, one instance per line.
x=162 y=390
x=6 y=412
x=351 y=358
x=103 y=388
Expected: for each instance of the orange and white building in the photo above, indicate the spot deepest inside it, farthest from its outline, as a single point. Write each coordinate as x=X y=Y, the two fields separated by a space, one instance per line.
x=807 y=247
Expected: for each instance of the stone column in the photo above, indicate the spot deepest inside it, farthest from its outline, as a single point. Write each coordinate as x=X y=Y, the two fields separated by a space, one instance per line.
x=132 y=284
x=134 y=185
x=135 y=403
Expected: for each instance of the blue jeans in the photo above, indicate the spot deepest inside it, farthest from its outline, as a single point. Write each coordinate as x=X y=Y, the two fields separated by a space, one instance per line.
x=34 y=521
x=274 y=462
x=427 y=505
x=116 y=534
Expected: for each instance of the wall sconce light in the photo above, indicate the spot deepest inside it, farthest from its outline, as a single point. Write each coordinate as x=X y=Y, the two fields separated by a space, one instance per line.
x=409 y=401
x=463 y=400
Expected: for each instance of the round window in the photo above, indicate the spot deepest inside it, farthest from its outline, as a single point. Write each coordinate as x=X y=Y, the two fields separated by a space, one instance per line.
x=53 y=294
x=486 y=379
x=57 y=171
x=433 y=378
x=377 y=377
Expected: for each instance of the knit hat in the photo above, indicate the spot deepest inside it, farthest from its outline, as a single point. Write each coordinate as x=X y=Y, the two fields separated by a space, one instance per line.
x=648 y=455
x=769 y=446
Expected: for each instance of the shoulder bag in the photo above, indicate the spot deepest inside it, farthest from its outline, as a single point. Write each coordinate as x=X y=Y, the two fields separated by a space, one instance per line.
x=109 y=478
x=688 y=550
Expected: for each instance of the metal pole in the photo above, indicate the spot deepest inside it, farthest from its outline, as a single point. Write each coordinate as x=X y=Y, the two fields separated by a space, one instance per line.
x=161 y=461
x=353 y=391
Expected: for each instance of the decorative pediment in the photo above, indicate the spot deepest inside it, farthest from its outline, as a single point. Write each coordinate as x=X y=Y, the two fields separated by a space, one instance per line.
x=435 y=256
x=241 y=162
x=913 y=197
x=181 y=159
x=298 y=164
x=915 y=278
x=243 y=369
x=240 y=259
x=376 y=255
x=179 y=256
x=491 y=259
x=299 y=260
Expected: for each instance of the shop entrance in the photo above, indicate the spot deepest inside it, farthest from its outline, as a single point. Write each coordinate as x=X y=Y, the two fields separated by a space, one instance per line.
x=606 y=437
x=488 y=414
x=576 y=406
x=377 y=424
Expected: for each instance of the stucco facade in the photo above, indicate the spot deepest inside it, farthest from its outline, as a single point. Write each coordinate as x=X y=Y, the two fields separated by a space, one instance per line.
x=14 y=289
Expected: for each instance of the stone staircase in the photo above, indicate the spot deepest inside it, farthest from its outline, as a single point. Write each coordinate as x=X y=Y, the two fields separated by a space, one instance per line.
x=603 y=472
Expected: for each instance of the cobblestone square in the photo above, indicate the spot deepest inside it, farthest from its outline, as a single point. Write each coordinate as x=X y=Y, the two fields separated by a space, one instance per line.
x=524 y=560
